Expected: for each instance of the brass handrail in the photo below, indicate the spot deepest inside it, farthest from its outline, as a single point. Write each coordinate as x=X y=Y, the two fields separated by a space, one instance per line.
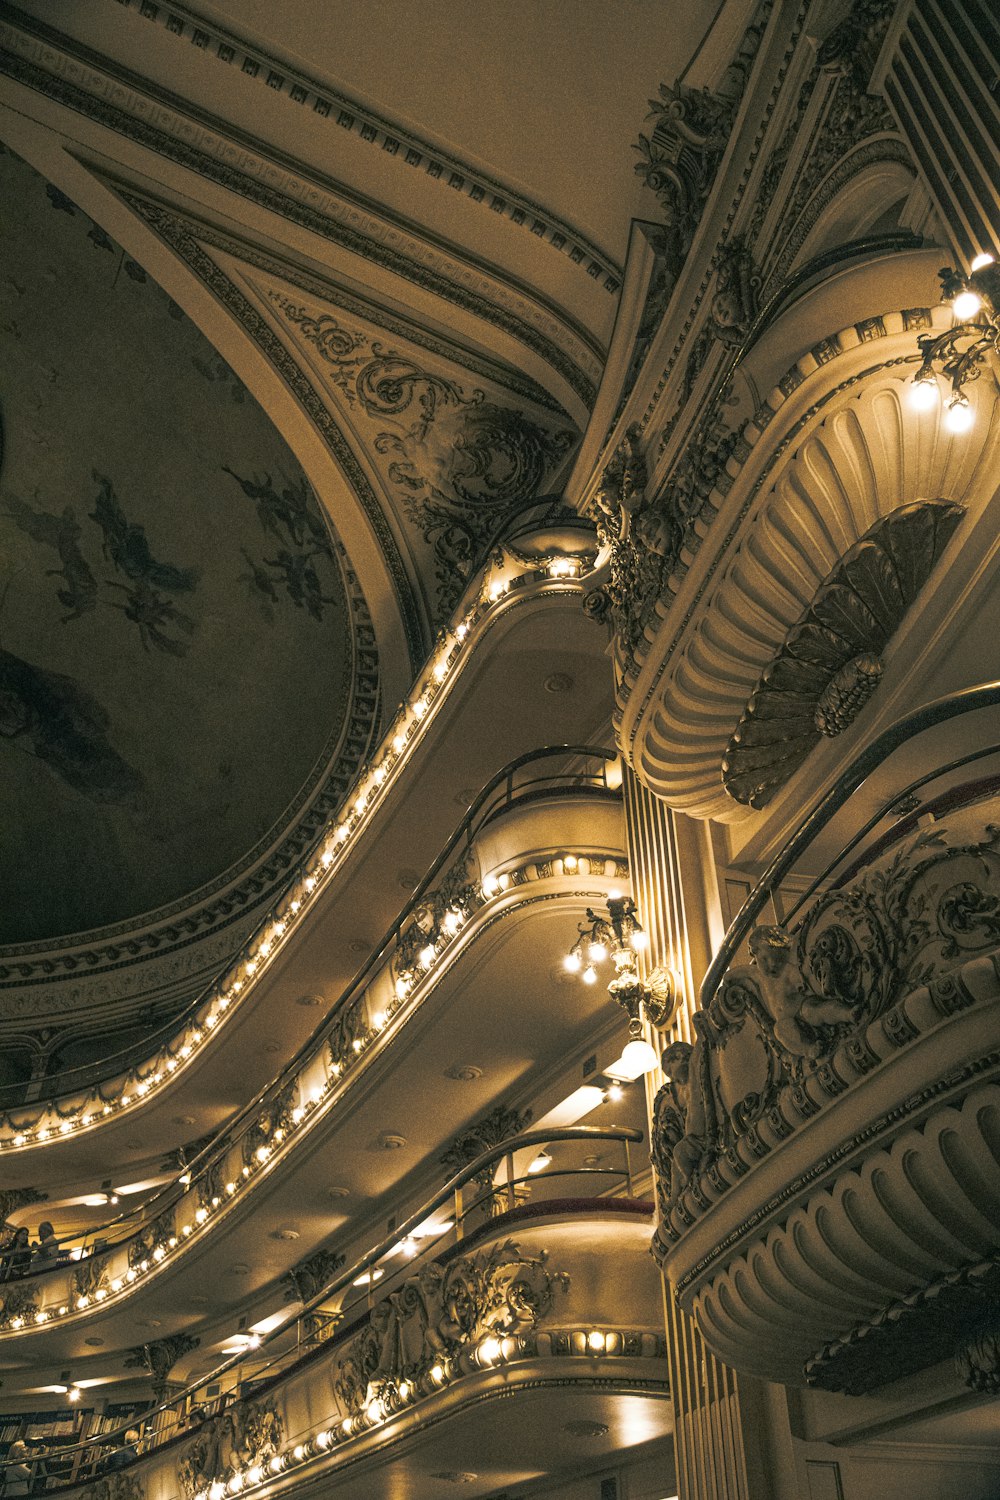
x=938 y=711
x=366 y=1263
x=481 y=811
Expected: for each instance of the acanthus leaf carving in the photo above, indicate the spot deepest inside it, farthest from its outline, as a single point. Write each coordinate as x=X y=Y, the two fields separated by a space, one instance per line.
x=440 y=1310
x=785 y=1034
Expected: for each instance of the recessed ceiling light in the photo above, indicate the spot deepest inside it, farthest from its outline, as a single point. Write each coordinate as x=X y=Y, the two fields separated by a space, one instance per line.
x=456 y=1476
x=184 y=1119
x=463 y=1072
x=559 y=682
x=310 y=1000
x=359 y=945
x=94 y=1343
x=239 y=1268
x=154 y=1322
x=272 y=1047
x=583 y=1428
x=408 y=879
x=388 y=1141
x=338 y=1192
x=287 y=1233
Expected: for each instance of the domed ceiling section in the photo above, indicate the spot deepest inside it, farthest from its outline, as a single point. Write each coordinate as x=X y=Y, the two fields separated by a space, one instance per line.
x=180 y=631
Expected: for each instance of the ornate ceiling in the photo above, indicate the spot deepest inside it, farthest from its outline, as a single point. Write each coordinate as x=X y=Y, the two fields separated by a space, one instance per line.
x=176 y=638
x=416 y=283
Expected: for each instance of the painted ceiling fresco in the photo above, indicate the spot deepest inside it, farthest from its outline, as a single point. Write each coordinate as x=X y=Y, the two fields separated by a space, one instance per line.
x=174 y=635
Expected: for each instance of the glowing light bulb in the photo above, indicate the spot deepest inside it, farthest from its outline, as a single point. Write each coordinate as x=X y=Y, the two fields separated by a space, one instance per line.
x=639 y=1057
x=639 y=940
x=426 y=956
x=982 y=261
x=959 y=416
x=573 y=962
x=966 y=305
x=596 y=1341
x=924 y=393
x=590 y=975
x=615 y=1092
x=597 y=953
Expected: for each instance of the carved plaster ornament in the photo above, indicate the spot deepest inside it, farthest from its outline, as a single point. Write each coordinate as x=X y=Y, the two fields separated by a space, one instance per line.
x=124 y=1484
x=159 y=1357
x=305 y=1280
x=829 y=664
x=806 y=1001
x=245 y=1434
x=978 y=1360
x=736 y=295
x=439 y=1311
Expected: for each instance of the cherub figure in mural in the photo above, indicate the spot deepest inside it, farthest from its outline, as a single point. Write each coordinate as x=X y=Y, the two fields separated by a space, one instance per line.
x=63 y=534
x=153 y=613
x=126 y=546
x=301 y=581
x=287 y=516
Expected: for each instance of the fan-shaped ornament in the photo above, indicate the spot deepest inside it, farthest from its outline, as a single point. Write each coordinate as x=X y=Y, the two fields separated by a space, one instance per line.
x=829 y=665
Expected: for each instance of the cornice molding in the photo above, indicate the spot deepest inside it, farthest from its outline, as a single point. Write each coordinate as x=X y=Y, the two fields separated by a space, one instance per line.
x=52 y=67
x=290 y=82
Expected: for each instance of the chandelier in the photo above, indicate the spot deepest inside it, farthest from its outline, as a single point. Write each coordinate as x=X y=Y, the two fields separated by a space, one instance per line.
x=620 y=938
x=961 y=351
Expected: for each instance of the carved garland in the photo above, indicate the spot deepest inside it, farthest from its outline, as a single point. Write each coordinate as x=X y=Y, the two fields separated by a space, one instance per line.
x=438 y=1312
x=818 y=1008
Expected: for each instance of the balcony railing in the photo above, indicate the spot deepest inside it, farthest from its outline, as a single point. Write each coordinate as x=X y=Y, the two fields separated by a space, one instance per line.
x=113 y=1257
x=820 y=1131
x=499 y=1298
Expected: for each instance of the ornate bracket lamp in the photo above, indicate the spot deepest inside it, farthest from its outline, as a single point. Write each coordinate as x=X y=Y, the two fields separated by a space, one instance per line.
x=961 y=351
x=619 y=936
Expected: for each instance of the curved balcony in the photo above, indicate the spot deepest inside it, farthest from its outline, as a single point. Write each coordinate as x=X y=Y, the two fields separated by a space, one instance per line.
x=828 y=1151
x=772 y=554
x=498 y=902
x=550 y=1304
x=527 y=601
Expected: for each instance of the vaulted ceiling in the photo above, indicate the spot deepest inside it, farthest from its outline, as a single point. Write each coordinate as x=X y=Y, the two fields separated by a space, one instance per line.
x=400 y=236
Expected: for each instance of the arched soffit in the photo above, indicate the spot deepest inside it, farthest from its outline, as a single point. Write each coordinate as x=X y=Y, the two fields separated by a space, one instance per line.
x=189 y=675
x=843 y=449
x=440 y=445
x=874 y=195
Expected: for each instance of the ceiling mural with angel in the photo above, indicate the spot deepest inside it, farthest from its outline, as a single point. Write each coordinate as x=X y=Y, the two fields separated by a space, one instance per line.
x=175 y=636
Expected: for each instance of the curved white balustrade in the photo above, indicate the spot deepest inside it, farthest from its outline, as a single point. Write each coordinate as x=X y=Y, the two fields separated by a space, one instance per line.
x=505 y=586
x=306 y=1102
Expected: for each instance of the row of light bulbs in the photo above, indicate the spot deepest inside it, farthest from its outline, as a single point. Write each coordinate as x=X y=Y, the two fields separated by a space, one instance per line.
x=489 y=1353
x=340 y=833
x=404 y=988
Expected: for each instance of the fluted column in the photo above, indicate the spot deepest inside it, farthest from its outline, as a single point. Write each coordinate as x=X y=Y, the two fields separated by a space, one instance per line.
x=673 y=881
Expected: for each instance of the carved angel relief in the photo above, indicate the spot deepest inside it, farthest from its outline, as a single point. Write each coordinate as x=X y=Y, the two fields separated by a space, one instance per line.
x=807 y=993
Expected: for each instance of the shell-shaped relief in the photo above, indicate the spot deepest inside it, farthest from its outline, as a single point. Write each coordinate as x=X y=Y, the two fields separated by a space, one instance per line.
x=828 y=665
x=869 y=457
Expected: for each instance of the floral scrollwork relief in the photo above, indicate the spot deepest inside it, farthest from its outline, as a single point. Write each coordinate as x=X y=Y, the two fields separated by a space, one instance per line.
x=441 y=1310
x=787 y=1031
x=271 y=1125
x=122 y=1485
x=247 y=1433
x=829 y=664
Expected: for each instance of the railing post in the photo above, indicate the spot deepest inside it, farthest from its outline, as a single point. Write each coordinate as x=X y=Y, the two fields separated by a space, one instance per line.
x=510 y=1181
x=628 y=1171
x=459 y=1210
